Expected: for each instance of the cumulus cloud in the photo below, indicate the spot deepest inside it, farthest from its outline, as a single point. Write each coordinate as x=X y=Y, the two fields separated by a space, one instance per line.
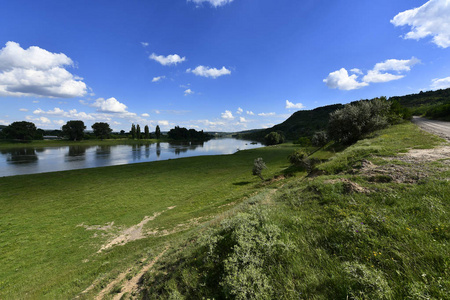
x=159 y=78
x=242 y=120
x=239 y=111
x=214 y=3
x=266 y=114
x=356 y=71
x=172 y=59
x=430 y=19
x=382 y=72
x=145 y=115
x=23 y=109
x=111 y=105
x=250 y=113
x=37 y=72
x=144 y=44
x=227 y=115
x=209 y=72
x=72 y=114
x=290 y=105
x=341 y=80
x=440 y=83
x=163 y=122
x=188 y=92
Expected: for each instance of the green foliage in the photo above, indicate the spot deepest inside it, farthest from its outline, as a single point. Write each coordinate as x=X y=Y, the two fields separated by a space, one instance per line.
x=74 y=130
x=258 y=166
x=183 y=134
x=440 y=112
x=299 y=158
x=303 y=141
x=138 y=132
x=25 y=131
x=319 y=139
x=274 y=138
x=133 y=131
x=349 y=124
x=146 y=132
x=101 y=130
x=158 y=132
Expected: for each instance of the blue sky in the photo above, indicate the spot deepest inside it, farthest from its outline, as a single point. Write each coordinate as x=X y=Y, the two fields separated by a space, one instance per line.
x=221 y=65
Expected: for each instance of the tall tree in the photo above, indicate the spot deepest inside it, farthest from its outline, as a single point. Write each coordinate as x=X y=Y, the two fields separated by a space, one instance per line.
x=74 y=130
x=157 y=132
x=133 y=131
x=138 y=132
x=101 y=130
x=147 y=132
x=23 y=130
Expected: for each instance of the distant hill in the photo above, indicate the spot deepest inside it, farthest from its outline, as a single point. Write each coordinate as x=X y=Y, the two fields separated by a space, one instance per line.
x=307 y=122
x=301 y=123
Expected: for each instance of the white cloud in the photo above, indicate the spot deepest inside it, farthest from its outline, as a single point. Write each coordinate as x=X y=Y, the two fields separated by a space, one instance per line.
x=290 y=105
x=214 y=3
x=380 y=73
x=37 y=72
x=23 y=109
x=159 y=78
x=249 y=112
x=227 y=115
x=239 y=111
x=35 y=101
x=145 y=115
x=59 y=122
x=440 y=83
x=397 y=65
x=172 y=59
x=267 y=114
x=163 y=122
x=209 y=72
x=144 y=44
x=242 y=120
x=188 y=92
x=340 y=80
x=356 y=71
x=430 y=19
x=109 y=105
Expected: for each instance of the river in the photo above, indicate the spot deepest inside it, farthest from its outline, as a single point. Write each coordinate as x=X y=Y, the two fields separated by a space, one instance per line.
x=20 y=161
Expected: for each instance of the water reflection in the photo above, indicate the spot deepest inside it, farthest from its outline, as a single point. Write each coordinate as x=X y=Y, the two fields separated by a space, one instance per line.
x=20 y=156
x=29 y=160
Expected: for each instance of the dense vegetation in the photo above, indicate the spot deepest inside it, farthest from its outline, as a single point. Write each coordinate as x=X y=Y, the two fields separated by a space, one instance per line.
x=183 y=134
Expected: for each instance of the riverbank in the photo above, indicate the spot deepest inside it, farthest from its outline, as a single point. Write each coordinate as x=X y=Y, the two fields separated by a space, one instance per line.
x=56 y=227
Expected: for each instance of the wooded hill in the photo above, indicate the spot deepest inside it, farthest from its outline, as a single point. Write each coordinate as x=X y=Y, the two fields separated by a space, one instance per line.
x=304 y=123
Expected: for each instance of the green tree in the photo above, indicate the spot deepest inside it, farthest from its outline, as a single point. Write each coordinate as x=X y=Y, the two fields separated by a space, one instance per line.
x=74 y=130
x=23 y=130
x=319 y=139
x=158 y=132
x=133 y=131
x=258 y=167
x=274 y=138
x=146 y=132
x=101 y=130
x=138 y=132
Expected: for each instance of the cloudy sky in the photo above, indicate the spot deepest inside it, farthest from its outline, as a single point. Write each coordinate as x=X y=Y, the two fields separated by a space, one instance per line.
x=221 y=65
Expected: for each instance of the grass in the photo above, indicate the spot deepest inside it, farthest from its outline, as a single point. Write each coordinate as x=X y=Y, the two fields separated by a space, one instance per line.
x=314 y=238
x=44 y=251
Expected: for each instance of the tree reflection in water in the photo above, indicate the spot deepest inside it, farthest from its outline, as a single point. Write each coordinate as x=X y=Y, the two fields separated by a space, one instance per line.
x=20 y=156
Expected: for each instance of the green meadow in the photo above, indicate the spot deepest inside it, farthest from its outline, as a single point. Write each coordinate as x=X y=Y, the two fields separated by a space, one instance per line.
x=51 y=223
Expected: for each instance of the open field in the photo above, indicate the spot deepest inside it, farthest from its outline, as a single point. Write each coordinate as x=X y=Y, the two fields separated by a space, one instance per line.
x=54 y=224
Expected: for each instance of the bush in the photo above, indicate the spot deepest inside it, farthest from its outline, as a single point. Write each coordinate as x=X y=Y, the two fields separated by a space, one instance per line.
x=300 y=159
x=258 y=167
x=274 y=138
x=319 y=139
x=349 y=124
x=303 y=142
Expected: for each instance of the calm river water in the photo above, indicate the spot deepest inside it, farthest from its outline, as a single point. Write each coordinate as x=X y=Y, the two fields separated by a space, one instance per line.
x=38 y=160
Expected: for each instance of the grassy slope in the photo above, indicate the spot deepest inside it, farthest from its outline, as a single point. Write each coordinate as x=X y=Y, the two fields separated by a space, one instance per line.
x=317 y=240
x=44 y=254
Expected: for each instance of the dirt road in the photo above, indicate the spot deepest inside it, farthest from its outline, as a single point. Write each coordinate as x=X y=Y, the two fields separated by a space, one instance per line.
x=440 y=128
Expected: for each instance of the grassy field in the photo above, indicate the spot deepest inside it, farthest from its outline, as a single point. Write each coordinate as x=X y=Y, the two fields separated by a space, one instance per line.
x=51 y=223
x=372 y=224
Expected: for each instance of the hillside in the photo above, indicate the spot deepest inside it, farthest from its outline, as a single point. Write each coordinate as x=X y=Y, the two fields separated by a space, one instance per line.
x=301 y=123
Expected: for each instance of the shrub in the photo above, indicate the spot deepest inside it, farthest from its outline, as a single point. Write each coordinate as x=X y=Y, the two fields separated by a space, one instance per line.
x=319 y=139
x=258 y=167
x=349 y=124
x=274 y=138
x=300 y=159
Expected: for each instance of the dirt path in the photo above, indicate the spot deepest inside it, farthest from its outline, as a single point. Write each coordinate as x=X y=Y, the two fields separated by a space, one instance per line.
x=131 y=286
x=440 y=128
